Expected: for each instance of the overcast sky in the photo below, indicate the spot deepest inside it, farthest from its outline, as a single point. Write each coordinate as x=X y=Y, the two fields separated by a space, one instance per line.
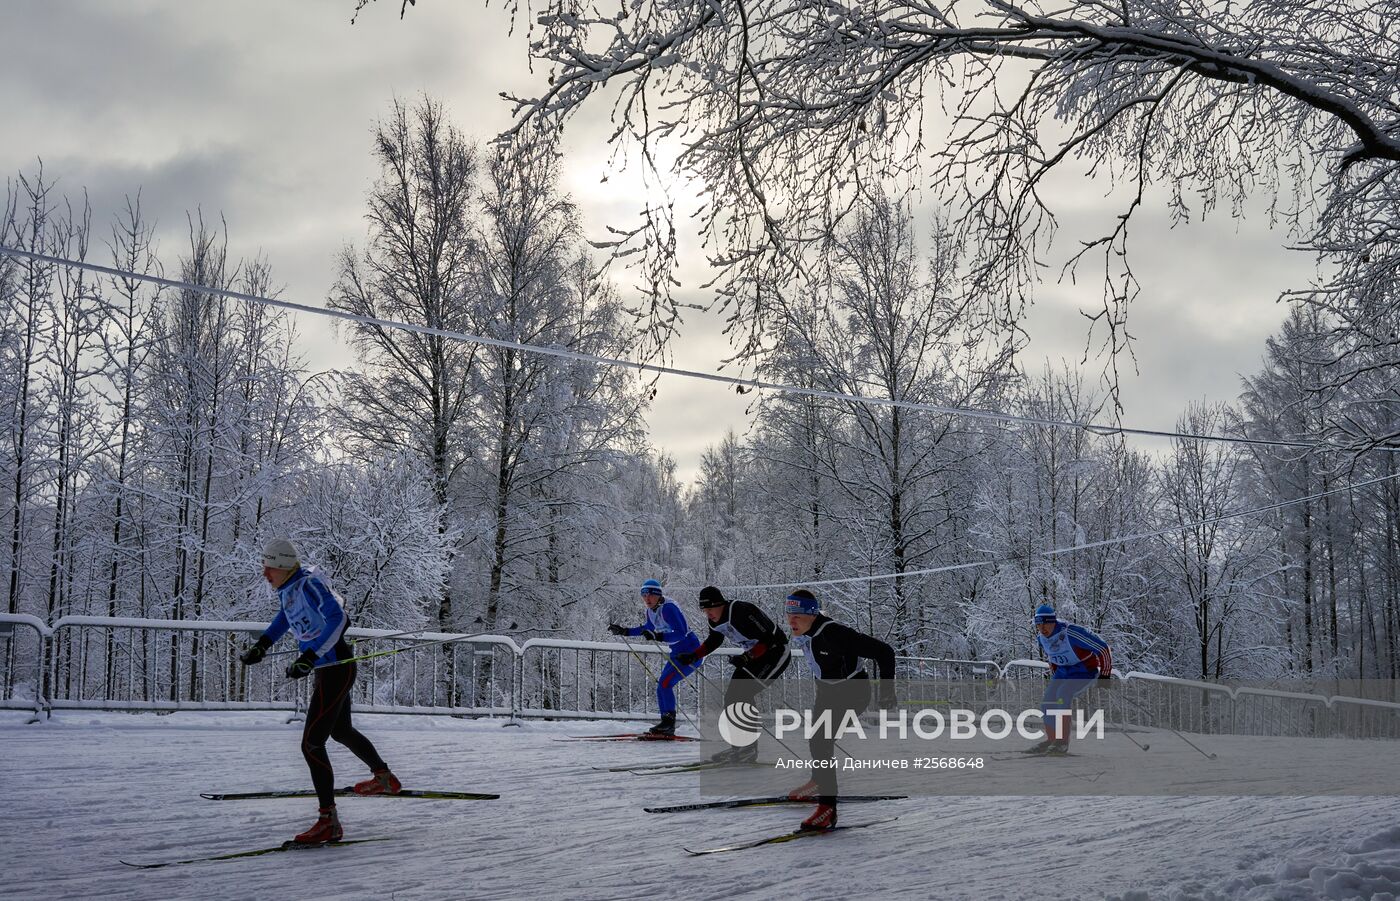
x=262 y=110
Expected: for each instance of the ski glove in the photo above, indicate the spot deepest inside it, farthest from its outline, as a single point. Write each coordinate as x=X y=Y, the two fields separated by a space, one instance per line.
x=1105 y=680
x=615 y=629
x=302 y=666
x=650 y=635
x=686 y=658
x=256 y=653
x=741 y=660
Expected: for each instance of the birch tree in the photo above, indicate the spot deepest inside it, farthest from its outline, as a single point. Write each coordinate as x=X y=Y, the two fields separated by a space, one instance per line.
x=1221 y=570
x=27 y=315
x=548 y=427
x=889 y=325
x=70 y=371
x=415 y=393
x=126 y=347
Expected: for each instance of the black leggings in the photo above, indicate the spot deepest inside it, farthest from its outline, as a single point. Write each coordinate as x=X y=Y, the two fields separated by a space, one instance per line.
x=749 y=681
x=852 y=695
x=328 y=716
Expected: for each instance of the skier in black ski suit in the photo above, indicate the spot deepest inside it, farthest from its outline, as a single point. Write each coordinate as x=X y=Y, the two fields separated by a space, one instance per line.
x=764 y=658
x=834 y=653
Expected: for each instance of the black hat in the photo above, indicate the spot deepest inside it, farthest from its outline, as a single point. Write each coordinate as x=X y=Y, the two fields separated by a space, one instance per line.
x=710 y=596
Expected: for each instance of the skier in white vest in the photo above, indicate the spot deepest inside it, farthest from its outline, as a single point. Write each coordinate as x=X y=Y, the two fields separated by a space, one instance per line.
x=1078 y=659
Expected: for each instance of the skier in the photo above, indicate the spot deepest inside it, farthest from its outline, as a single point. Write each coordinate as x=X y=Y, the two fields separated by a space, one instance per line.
x=764 y=658
x=1078 y=658
x=834 y=653
x=317 y=617
x=664 y=622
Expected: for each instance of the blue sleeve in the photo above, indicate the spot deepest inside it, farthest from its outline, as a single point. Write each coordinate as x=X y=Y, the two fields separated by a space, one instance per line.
x=638 y=630
x=1084 y=640
x=320 y=597
x=278 y=627
x=675 y=620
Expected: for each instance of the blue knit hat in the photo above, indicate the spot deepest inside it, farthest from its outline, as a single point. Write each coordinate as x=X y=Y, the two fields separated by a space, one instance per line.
x=1045 y=614
x=651 y=586
x=803 y=601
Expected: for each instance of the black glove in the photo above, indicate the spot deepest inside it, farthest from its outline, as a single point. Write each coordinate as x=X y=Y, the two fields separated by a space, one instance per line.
x=686 y=658
x=302 y=666
x=1106 y=681
x=650 y=635
x=256 y=653
x=615 y=629
x=885 y=695
x=741 y=660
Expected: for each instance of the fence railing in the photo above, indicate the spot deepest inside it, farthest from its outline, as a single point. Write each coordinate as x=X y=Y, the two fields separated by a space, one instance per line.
x=23 y=642
x=88 y=662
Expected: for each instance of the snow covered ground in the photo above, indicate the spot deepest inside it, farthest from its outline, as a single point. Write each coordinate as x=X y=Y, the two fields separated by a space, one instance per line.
x=84 y=790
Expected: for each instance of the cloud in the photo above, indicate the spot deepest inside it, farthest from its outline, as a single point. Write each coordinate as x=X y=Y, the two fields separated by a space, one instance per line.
x=263 y=110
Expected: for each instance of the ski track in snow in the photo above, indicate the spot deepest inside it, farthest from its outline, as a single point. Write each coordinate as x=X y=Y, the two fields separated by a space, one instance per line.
x=83 y=790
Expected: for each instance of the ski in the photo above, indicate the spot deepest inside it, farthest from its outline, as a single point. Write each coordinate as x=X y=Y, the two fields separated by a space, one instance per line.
x=257 y=852
x=773 y=801
x=786 y=837
x=627 y=736
x=1031 y=755
x=642 y=769
x=347 y=791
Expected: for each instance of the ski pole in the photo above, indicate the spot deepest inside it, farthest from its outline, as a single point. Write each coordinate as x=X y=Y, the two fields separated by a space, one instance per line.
x=1135 y=741
x=1206 y=754
x=391 y=651
x=1129 y=737
x=646 y=669
x=835 y=744
x=761 y=724
x=367 y=638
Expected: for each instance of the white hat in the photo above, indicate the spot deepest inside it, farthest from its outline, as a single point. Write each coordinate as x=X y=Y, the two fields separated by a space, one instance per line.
x=280 y=554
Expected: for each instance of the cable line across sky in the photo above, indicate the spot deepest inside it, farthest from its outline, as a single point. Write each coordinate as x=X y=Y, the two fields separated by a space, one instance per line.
x=661 y=369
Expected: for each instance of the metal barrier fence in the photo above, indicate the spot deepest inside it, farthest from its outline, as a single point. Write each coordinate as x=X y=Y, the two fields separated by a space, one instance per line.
x=85 y=662
x=602 y=680
x=169 y=665
x=606 y=680
x=23 y=641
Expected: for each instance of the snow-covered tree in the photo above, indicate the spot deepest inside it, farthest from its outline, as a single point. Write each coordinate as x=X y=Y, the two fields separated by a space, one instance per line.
x=375 y=529
x=27 y=314
x=1045 y=490
x=1223 y=572
x=413 y=392
x=548 y=428
x=788 y=114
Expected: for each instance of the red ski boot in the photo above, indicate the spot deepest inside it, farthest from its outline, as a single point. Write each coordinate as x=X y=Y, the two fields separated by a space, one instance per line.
x=326 y=829
x=822 y=819
x=382 y=782
x=807 y=791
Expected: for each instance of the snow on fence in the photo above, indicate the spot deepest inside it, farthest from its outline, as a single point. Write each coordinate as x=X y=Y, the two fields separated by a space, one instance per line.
x=91 y=662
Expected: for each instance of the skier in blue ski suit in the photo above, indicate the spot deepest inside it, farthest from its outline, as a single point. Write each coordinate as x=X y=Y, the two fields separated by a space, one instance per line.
x=664 y=622
x=311 y=611
x=1078 y=660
